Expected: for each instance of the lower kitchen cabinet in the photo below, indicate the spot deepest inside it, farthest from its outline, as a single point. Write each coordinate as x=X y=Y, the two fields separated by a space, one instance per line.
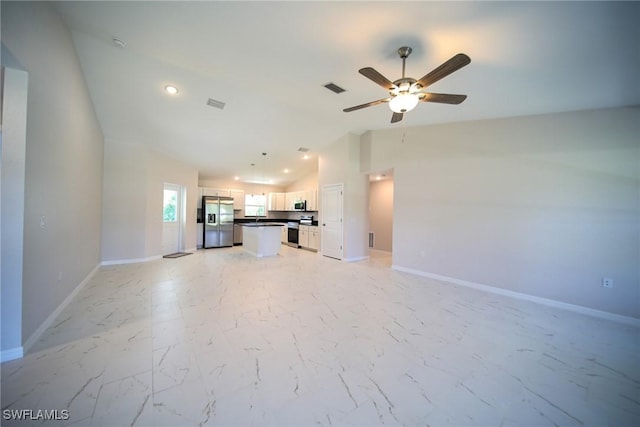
x=309 y=237
x=303 y=236
x=314 y=238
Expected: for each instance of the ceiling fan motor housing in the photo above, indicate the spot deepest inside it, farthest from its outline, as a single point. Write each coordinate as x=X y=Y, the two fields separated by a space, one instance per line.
x=404 y=51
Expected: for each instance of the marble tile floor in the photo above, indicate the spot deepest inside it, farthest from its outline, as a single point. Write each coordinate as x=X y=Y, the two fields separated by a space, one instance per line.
x=223 y=338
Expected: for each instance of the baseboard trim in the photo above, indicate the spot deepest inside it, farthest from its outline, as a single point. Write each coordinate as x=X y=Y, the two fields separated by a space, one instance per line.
x=526 y=297
x=52 y=317
x=356 y=259
x=11 y=354
x=130 y=261
x=380 y=251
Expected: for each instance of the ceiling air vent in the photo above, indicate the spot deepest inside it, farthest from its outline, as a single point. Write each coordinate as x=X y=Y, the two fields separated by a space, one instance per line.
x=215 y=103
x=334 y=88
x=303 y=149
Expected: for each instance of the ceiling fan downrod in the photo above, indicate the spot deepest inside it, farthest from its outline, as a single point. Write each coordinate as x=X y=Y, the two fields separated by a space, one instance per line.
x=404 y=52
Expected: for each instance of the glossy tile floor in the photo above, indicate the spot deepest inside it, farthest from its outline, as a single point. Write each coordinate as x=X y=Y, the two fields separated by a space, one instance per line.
x=222 y=338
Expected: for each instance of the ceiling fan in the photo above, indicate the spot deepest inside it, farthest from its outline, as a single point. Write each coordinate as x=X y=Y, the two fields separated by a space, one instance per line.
x=406 y=92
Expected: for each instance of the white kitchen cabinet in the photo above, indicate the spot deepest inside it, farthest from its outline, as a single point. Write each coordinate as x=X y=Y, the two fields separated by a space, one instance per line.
x=288 y=201
x=285 y=234
x=314 y=238
x=309 y=237
x=311 y=196
x=303 y=236
x=277 y=202
x=215 y=192
x=238 y=199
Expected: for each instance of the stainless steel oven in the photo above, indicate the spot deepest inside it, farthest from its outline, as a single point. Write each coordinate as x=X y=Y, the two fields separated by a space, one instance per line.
x=292 y=234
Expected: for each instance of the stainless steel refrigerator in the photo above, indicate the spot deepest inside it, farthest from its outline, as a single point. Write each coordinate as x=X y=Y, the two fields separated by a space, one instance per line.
x=218 y=221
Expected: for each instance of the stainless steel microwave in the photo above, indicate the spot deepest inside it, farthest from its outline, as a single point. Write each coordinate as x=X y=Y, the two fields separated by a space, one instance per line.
x=300 y=206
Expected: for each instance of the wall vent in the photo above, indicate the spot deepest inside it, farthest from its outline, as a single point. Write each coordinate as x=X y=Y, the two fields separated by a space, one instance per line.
x=215 y=103
x=371 y=240
x=334 y=88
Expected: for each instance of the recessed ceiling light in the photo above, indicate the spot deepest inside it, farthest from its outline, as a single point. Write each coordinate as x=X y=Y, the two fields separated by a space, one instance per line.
x=286 y=170
x=171 y=90
x=306 y=157
x=236 y=178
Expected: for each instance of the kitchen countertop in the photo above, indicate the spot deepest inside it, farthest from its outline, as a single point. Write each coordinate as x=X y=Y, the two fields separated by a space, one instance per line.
x=263 y=224
x=273 y=222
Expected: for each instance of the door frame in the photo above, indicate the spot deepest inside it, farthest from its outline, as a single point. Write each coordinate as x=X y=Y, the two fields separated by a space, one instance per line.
x=180 y=215
x=323 y=235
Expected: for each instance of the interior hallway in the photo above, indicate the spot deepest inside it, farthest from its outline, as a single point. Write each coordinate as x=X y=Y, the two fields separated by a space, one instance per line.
x=222 y=338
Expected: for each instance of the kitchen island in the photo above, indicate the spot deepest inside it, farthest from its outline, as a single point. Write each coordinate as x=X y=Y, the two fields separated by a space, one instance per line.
x=262 y=238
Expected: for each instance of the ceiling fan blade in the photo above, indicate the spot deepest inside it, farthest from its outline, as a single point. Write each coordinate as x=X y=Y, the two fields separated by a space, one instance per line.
x=453 y=64
x=368 y=104
x=396 y=117
x=377 y=78
x=442 y=98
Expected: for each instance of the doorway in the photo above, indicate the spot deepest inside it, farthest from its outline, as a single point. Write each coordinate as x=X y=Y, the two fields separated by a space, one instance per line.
x=173 y=204
x=381 y=212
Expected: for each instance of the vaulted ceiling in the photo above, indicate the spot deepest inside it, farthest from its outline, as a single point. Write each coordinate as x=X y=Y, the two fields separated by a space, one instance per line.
x=268 y=62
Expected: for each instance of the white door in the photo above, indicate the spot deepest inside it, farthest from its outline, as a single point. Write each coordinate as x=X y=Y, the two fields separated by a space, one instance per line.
x=331 y=225
x=172 y=219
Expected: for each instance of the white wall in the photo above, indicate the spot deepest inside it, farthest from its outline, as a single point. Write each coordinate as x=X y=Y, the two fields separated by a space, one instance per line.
x=64 y=153
x=134 y=178
x=124 y=201
x=163 y=170
x=307 y=182
x=13 y=138
x=542 y=205
x=340 y=163
x=381 y=214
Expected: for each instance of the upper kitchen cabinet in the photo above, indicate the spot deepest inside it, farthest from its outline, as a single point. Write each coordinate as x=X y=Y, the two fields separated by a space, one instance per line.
x=238 y=199
x=238 y=195
x=215 y=192
x=311 y=196
x=277 y=202
x=289 y=201
x=286 y=201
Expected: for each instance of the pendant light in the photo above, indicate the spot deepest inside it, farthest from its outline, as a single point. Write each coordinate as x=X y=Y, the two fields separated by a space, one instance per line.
x=253 y=178
x=264 y=176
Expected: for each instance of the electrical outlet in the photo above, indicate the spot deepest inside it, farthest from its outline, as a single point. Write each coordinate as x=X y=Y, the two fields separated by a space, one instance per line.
x=607 y=282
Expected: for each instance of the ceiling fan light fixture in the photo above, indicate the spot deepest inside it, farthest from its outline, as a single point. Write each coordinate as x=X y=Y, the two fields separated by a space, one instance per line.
x=403 y=102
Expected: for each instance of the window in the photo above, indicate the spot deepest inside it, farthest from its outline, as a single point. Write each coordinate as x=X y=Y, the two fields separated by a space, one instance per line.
x=169 y=209
x=255 y=205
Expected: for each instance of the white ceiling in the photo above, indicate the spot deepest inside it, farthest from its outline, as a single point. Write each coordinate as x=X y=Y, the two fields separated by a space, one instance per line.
x=268 y=61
